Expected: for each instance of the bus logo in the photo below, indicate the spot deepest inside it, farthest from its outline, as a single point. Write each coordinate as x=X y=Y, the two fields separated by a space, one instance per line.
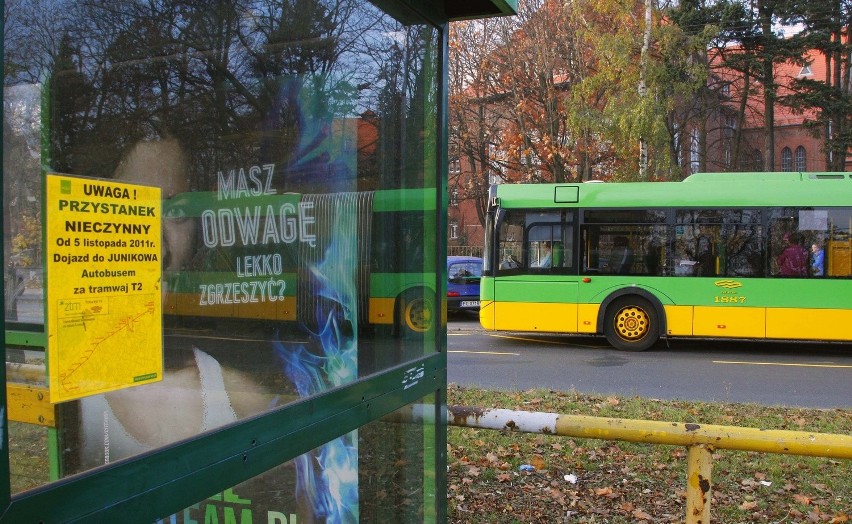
x=728 y=284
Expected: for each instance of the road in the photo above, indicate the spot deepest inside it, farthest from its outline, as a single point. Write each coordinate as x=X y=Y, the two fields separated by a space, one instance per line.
x=766 y=373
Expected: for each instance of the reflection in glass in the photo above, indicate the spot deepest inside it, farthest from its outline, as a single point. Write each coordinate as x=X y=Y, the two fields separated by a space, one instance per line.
x=393 y=453
x=295 y=151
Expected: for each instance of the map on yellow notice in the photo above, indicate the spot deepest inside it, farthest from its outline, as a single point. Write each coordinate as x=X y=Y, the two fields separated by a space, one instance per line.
x=104 y=307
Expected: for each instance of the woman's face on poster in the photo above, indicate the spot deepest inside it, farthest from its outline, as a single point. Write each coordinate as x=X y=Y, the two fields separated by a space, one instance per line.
x=164 y=164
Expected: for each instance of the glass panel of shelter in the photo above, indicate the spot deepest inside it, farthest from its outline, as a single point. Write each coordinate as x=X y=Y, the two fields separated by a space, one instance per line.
x=385 y=482
x=229 y=150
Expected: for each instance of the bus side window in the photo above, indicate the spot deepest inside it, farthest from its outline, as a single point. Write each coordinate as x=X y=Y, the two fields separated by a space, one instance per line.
x=653 y=255
x=558 y=254
x=510 y=242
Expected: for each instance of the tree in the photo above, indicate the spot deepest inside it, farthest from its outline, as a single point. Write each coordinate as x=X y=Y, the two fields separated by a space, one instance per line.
x=539 y=61
x=476 y=119
x=826 y=31
x=748 y=46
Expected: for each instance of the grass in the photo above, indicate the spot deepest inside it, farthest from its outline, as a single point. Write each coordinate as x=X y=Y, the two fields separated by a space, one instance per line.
x=28 y=456
x=632 y=482
x=615 y=481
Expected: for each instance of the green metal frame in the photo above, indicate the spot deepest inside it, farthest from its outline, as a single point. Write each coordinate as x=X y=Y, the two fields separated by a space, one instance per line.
x=156 y=484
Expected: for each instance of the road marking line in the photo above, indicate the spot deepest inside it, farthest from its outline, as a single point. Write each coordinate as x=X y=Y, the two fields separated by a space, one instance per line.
x=783 y=364
x=482 y=352
x=528 y=339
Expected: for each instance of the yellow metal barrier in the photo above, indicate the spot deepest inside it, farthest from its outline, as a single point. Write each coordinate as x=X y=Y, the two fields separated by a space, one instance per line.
x=27 y=397
x=30 y=404
x=700 y=439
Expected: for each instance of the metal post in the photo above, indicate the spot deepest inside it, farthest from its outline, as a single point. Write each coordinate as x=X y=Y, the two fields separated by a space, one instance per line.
x=698 y=470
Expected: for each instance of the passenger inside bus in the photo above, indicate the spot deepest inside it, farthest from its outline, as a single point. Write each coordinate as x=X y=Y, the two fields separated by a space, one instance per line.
x=793 y=261
x=509 y=262
x=547 y=259
x=817 y=261
x=652 y=257
x=621 y=257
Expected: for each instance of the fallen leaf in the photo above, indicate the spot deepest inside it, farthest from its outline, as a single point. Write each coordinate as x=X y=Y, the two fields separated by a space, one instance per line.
x=504 y=477
x=641 y=515
x=557 y=495
x=748 y=505
x=802 y=499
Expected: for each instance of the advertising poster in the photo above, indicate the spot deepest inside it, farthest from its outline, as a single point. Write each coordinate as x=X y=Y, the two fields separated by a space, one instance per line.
x=104 y=319
x=261 y=294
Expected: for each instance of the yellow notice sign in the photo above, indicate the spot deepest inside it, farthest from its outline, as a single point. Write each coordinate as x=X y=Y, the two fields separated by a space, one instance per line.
x=104 y=307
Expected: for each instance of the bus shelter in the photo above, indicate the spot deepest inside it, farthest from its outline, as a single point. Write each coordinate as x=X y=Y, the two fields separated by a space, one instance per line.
x=224 y=251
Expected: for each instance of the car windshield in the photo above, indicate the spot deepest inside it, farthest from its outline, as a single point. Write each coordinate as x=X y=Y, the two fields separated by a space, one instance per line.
x=465 y=271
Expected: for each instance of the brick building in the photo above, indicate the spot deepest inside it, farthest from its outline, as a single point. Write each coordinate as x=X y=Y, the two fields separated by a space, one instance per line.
x=798 y=147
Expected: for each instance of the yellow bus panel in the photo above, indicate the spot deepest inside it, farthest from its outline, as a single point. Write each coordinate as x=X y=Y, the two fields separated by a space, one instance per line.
x=381 y=310
x=729 y=321
x=587 y=318
x=678 y=321
x=822 y=324
x=486 y=314
x=187 y=304
x=536 y=316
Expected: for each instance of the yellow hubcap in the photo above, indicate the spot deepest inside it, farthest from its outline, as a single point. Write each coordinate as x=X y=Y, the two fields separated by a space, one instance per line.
x=418 y=316
x=631 y=323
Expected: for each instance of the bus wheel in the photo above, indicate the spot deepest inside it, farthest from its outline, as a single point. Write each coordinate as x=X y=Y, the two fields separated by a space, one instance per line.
x=417 y=313
x=631 y=324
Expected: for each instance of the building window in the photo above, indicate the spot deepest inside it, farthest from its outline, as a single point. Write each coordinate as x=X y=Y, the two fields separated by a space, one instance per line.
x=455 y=166
x=758 y=160
x=786 y=159
x=676 y=143
x=454 y=197
x=730 y=126
x=454 y=230
x=806 y=70
x=497 y=160
x=801 y=158
x=694 y=164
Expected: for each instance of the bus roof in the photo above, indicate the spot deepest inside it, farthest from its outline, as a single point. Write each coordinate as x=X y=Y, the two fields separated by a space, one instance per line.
x=711 y=190
x=797 y=176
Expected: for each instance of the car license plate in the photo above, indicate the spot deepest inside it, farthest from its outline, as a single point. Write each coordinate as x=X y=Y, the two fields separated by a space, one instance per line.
x=469 y=303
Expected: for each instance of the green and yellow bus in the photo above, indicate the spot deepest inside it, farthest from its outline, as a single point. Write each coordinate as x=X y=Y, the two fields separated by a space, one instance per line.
x=718 y=255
